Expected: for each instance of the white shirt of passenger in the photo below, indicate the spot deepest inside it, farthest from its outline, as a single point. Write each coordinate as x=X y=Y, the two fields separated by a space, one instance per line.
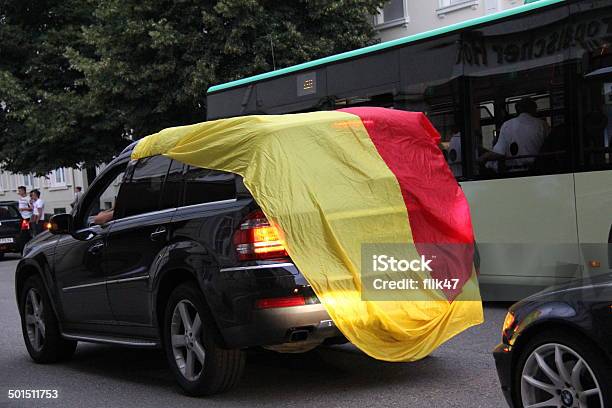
x=528 y=133
x=39 y=208
x=24 y=202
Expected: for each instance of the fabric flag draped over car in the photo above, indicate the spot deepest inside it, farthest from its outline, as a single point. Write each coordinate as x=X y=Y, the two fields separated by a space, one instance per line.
x=335 y=181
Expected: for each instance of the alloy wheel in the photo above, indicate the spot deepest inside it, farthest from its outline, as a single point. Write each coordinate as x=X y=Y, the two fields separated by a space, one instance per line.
x=186 y=339
x=35 y=324
x=554 y=375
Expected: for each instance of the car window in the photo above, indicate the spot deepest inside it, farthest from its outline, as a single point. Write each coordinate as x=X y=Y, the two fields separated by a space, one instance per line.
x=102 y=196
x=173 y=186
x=205 y=186
x=8 y=212
x=142 y=192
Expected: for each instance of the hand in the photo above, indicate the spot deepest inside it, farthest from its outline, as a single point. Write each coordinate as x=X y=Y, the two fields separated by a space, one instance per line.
x=103 y=217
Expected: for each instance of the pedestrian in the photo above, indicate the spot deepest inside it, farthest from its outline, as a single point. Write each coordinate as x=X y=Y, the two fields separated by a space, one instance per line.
x=78 y=192
x=38 y=213
x=25 y=208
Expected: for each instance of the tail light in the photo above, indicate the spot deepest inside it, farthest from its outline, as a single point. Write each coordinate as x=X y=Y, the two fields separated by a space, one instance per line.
x=256 y=239
x=25 y=225
x=272 y=303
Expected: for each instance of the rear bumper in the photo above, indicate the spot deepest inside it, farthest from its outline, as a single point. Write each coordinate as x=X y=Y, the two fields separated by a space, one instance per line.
x=283 y=325
x=17 y=245
x=242 y=324
x=503 y=363
x=6 y=248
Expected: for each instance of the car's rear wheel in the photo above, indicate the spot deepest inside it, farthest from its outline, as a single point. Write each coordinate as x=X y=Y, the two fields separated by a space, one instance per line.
x=562 y=369
x=39 y=325
x=200 y=364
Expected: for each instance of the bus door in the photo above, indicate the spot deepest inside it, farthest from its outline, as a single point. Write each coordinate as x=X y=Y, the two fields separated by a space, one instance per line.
x=594 y=178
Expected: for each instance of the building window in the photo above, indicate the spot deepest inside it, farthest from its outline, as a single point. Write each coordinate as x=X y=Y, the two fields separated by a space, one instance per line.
x=448 y=3
x=58 y=177
x=491 y=6
x=28 y=180
x=394 y=13
x=447 y=6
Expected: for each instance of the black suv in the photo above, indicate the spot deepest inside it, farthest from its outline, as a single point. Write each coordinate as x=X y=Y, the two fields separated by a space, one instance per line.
x=187 y=263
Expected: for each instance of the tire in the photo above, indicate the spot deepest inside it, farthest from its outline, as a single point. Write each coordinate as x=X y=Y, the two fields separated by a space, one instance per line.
x=571 y=346
x=44 y=346
x=213 y=368
x=1 y=256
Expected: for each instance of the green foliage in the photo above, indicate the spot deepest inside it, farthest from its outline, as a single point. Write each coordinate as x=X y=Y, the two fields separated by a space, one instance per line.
x=79 y=79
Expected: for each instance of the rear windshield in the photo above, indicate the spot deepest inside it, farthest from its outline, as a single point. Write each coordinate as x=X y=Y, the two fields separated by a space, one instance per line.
x=8 y=212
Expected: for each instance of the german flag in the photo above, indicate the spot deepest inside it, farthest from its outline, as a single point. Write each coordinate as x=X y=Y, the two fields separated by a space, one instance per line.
x=339 y=185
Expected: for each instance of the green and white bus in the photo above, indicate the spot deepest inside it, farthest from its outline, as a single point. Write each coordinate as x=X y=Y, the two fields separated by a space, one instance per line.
x=541 y=223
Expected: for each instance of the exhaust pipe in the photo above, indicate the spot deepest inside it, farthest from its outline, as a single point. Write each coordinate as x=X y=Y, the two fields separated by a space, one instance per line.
x=298 y=335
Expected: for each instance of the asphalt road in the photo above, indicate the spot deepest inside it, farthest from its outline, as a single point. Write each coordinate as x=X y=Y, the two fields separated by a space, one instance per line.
x=461 y=373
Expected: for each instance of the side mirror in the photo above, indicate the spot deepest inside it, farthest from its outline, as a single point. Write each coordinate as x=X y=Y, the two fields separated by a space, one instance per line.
x=61 y=224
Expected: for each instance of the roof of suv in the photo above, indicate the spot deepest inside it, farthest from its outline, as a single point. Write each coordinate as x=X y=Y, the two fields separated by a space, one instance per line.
x=128 y=148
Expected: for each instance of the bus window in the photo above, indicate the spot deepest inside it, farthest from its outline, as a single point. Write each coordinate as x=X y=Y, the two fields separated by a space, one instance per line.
x=448 y=124
x=430 y=83
x=520 y=89
x=488 y=129
x=595 y=111
x=441 y=105
x=521 y=122
x=597 y=126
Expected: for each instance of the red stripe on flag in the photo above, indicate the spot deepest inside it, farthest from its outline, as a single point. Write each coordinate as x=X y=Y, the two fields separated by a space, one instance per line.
x=438 y=211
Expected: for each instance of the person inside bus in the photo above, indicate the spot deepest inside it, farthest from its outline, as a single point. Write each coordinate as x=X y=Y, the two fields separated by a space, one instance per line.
x=454 y=152
x=520 y=139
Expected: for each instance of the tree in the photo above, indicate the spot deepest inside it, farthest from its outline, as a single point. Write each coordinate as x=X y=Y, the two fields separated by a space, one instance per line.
x=79 y=79
x=47 y=118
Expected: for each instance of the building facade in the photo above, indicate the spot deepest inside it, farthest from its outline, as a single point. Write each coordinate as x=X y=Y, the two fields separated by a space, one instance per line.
x=401 y=18
x=56 y=188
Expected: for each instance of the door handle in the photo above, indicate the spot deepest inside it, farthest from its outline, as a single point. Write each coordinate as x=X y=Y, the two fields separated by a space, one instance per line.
x=158 y=234
x=95 y=248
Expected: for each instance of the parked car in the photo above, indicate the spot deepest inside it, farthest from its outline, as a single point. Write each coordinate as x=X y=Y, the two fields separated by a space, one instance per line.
x=188 y=263
x=14 y=230
x=556 y=349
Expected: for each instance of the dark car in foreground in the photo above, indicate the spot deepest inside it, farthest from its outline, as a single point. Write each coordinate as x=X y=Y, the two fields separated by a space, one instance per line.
x=14 y=230
x=188 y=263
x=556 y=348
